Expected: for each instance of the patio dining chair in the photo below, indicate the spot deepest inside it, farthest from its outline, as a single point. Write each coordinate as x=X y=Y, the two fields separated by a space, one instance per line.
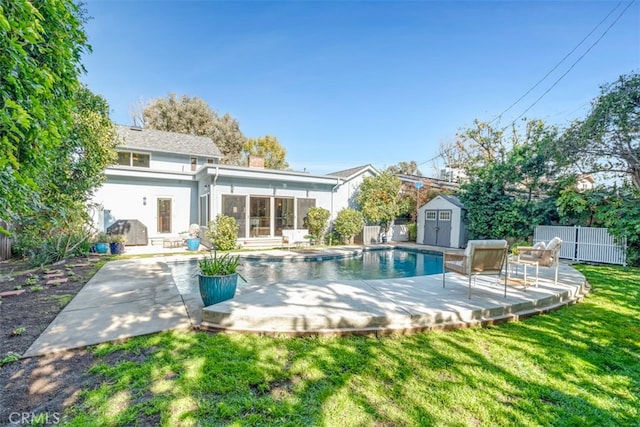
x=542 y=255
x=481 y=257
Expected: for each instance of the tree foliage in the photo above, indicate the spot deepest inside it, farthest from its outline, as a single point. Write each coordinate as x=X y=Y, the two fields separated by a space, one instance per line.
x=379 y=198
x=411 y=198
x=270 y=149
x=42 y=44
x=405 y=168
x=617 y=209
x=193 y=115
x=317 y=221
x=349 y=222
x=59 y=226
x=608 y=139
x=509 y=192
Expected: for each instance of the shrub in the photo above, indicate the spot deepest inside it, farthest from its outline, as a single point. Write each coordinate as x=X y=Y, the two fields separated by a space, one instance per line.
x=317 y=219
x=223 y=232
x=349 y=222
x=412 y=228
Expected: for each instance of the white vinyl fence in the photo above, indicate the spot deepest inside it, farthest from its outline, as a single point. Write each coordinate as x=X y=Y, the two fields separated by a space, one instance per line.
x=584 y=243
x=370 y=234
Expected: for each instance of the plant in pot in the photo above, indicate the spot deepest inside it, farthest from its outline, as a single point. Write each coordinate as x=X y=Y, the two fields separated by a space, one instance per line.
x=116 y=243
x=193 y=242
x=218 y=278
x=102 y=243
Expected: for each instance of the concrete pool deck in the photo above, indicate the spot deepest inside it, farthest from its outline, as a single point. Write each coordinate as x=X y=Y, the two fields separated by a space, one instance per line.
x=134 y=297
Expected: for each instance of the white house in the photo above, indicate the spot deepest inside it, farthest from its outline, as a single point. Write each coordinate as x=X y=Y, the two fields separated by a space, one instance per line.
x=168 y=181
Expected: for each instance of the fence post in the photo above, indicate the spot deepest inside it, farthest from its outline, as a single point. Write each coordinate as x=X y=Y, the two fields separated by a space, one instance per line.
x=575 y=246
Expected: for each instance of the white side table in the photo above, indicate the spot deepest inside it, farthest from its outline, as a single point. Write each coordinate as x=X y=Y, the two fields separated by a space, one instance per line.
x=514 y=261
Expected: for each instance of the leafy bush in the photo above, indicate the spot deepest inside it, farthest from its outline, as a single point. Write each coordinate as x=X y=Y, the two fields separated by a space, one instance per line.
x=317 y=219
x=219 y=266
x=413 y=231
x=47 y=249
x=117 y=238
x=349 y=222
x=617 y=209
x=223 y=232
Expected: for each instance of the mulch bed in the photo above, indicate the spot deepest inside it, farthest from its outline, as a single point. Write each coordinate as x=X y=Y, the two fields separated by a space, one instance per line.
x=33 y=297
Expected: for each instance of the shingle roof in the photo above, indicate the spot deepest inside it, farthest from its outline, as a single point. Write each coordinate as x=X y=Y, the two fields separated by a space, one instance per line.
x=350 y=172
x=452 y=199
x=167 y=142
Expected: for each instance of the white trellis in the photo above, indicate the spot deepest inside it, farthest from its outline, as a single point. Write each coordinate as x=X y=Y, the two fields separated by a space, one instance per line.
x=590 y=244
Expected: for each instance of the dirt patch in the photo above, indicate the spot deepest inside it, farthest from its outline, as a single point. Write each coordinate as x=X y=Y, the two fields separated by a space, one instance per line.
x=34 y=297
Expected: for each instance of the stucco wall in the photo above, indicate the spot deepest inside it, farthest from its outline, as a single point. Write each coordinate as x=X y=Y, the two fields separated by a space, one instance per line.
x=129 y=198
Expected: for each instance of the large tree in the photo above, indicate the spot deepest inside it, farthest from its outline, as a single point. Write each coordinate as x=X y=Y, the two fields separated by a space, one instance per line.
x=193 y=115
x=379 y=198
x=608 y=139
x=42 y=44
x=270 y=149
x=59 y=225
x=507 y=193
x=405 y=168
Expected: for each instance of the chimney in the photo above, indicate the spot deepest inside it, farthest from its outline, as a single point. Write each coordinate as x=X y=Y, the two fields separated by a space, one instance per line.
x=256 y=162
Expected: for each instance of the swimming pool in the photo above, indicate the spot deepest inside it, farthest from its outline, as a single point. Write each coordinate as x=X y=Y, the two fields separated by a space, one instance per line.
x=375 y=264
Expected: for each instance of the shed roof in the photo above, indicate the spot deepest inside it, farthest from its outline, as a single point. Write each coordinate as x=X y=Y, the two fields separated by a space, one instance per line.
x=451 y=199
x=167 y=142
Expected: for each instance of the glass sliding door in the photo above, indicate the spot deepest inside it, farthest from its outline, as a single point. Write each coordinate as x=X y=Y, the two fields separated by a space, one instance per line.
x=164 y=215
x=283 y=215
x=235 y=206
x=260 y=216
x=303 y=210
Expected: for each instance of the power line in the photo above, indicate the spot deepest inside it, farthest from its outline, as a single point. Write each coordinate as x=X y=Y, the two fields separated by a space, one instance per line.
x=559 y=63
x=572 y=65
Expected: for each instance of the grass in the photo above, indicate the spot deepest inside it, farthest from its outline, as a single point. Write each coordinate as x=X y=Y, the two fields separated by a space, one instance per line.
x=577 y=366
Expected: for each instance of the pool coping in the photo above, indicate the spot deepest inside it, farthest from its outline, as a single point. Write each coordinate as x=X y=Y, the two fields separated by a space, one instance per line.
x=447 y=308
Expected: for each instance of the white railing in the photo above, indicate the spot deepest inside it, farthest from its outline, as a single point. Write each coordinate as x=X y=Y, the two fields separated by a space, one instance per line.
x=584 y=243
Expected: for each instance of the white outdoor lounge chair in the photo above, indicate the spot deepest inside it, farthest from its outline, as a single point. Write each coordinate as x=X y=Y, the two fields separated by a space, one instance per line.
x=542 y=255
x=486 y=257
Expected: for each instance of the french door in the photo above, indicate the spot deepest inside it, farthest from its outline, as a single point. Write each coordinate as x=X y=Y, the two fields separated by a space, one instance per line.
x=164 y=215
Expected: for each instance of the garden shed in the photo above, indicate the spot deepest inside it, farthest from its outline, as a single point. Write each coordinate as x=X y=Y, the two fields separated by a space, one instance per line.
x=442 y=222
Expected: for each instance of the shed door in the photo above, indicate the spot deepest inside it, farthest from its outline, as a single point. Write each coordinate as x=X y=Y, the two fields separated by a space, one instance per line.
x=443 y=234
x=437 y=228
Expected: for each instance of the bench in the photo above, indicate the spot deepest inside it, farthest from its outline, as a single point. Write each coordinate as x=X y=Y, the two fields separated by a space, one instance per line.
x=295 y=238
x=173 y=242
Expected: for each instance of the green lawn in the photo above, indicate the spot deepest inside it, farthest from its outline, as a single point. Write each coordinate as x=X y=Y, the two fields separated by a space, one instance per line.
x=577 y=366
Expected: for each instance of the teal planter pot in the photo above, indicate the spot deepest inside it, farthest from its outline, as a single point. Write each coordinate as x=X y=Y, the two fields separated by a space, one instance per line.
x=102 y=248
x=193 y=244
x=215 y=289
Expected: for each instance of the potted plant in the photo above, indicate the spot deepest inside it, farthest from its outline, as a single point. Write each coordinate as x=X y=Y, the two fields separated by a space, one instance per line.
x=116 y=243
x=218 y=278
x=102 y=243
x=193 y=242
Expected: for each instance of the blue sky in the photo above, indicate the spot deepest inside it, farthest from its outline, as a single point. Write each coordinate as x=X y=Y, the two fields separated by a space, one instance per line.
x=346 y=83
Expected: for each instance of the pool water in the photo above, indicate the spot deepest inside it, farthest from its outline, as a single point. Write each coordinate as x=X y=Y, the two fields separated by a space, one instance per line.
x=378 y=264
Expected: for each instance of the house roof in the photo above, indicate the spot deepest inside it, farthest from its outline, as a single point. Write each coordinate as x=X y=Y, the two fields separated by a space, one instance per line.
x=167 y=142
x=433 y=182
x=349 y=173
